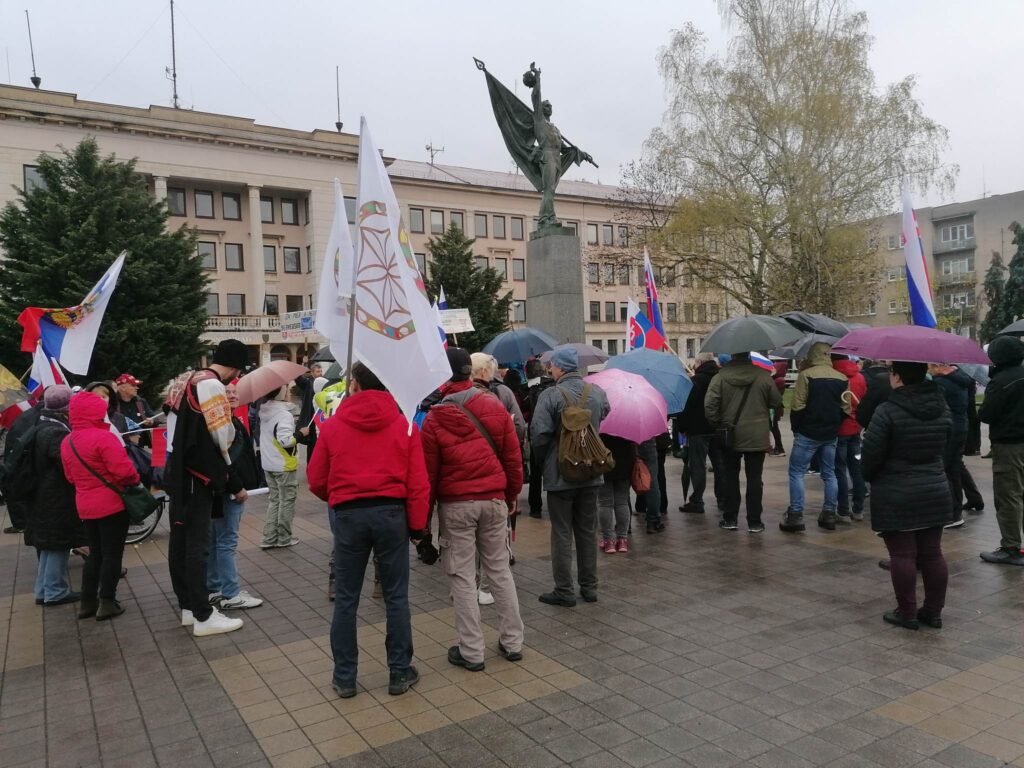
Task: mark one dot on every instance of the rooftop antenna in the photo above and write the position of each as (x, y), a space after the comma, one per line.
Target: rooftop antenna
(984, 186)
(337, 92)
(36, 79)
(173, 71)
(434, 151)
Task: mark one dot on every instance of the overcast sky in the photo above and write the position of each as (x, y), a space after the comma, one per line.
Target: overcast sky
(408, 67)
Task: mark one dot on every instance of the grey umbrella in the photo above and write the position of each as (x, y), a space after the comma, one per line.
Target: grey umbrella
(322, 355)
(1013, 329)
(746, 334)
(809, 322)
(802, 347)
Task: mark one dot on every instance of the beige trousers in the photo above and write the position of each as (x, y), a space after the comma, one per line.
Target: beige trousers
(468, 528)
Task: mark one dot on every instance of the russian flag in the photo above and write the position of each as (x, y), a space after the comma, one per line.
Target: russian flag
(653, 308)
(762, 362)
(919, 285)
(641, 331)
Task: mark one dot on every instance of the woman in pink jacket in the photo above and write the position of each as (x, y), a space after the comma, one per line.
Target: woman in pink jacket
(91, 455)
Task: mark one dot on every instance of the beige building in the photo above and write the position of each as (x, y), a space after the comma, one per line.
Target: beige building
(958, 241)
(260, 199)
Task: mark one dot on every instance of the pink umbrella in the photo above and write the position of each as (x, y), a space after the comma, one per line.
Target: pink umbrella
(638, 411)
(267, 378)
(910, 343)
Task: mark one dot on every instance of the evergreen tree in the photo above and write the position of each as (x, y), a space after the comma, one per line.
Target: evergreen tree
(994, 289)
(59, 237)
(468, 286)
(1013, 293)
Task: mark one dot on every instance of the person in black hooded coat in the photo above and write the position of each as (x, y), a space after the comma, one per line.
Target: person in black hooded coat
(903, 457)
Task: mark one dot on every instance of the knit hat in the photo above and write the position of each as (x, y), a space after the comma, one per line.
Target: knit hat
(56, 397)
(461, 363)
(231, 353)
(565, 358)
(1006, 350)
(724, 358)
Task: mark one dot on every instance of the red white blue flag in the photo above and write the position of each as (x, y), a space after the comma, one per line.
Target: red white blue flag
(762, 362)
(919, 286)
(640, 331)
(45, 373)
(653, 308)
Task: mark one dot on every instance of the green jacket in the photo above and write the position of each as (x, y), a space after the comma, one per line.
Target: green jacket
(722, 403)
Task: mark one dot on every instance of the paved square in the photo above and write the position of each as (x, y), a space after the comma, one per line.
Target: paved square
(707, 648)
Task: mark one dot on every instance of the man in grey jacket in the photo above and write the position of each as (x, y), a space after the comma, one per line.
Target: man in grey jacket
(572, 506)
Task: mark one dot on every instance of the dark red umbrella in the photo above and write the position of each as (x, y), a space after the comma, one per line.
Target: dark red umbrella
(912, 343)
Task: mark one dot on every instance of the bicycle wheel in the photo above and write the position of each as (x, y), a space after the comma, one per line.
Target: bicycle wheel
(142, 530)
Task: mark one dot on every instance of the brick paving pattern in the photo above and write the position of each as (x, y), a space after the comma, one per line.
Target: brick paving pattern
(708, 649)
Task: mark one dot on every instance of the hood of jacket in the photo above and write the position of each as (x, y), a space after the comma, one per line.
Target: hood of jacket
(959, 378)
(923, 401)
(848, 368)
(819, 354)
(272, 407)
(1006, 351)
(87, 411)
(708, 368)
(368, 411)
(741, 372)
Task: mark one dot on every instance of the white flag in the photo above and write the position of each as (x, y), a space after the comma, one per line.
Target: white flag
(332, 308)
(396, 328)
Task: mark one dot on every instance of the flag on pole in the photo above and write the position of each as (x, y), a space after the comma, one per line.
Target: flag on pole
(640, 332)
(69, 335)
(442, 302)
(45, 372)
(440, 326)
(332, 307)
(762, 362)
(394, 328)
(919, 284)
(653, 308)
(14, 398)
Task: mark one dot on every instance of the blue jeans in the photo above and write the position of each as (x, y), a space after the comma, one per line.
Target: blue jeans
(221, 573)
(805, 449)
(848, 474)
(384, 530)
(52, 575)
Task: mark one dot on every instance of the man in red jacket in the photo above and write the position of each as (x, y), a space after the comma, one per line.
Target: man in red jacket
(476, 473)
(369, 468)
(848, 473)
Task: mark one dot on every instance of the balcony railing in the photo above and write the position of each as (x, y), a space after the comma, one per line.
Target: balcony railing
(951, 246)
(959, 278)
(243, 323)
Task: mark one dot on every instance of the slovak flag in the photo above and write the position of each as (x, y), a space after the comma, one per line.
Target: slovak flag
(640, 332)
(919, 285)
(762, 362)
(653, 308)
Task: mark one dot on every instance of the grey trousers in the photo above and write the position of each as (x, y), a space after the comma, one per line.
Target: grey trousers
(573, 518)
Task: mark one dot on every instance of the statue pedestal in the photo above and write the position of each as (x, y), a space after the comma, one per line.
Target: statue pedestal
(554, 284)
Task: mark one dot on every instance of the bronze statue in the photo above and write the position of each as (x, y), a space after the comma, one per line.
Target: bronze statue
(536, 145)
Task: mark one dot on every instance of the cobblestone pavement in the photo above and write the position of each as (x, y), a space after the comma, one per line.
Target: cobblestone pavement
(707, 648)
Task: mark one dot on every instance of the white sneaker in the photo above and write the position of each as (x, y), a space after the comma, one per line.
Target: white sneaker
(217, 624)
(214, 597)
(485, 598)
(242, 600)
(187, 619)
(290, 543)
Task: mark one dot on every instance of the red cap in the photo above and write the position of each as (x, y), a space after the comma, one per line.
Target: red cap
(127, 378)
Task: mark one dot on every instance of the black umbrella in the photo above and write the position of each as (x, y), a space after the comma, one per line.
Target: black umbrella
(809, 322)
(322, 355)
(746, 334)
(1013, 329)
(801, 348)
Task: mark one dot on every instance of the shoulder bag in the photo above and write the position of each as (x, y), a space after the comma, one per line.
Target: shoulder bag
(138, 501)
(725, 436)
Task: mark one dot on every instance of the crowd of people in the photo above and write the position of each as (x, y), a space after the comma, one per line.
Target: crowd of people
(898, 428)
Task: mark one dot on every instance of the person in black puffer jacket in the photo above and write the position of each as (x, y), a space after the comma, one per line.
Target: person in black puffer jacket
(903, 459)
(694, 424)
(876, 374)
(955, 386)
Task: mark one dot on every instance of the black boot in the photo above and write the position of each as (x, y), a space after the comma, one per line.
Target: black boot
(87, 607)
(793, 522)
(827, 519)
(108, 609)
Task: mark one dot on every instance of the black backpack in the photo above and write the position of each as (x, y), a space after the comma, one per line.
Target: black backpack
(19, 470)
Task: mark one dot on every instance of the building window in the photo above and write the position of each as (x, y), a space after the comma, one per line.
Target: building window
(231, 206)
(519, 269)
(691, 348)
(609, 311)
(613, 347)
(293, 303)
(641, 277)
(415, 220)
(595, 311)
(458, 219)
(957, 300)
(687, 313)
(421, 263)
(598, 343)
(955, 232)
(573, 226)
(623, 312)
(292, 260)
(959, 266)
(33, 180)
(668, 277)
(674, 343)
(204, 205)
(212, 304)
(271, 306)
(176, 202)
(233, 260)
(519, 311)
(499, 227)
(267, 210)
(437, 222)
(623, 273)
(702, 313)
(671, 313)
(894, 241)
(480, 225)
(608, 274)
(270, 258)
(713, 313)
(893, 308)
(892, 274)
(517, 228)
(236, 303)
(207, 254)
(623, 236)
(350, 212)
(592, 234)
(289, 211)
(607, 234)
(872, 307)
(593, 273)
(481, 262)
(309, 259)
(305, 210)
(501, 267)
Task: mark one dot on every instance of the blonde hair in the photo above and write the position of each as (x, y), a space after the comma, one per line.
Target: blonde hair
(483, 363)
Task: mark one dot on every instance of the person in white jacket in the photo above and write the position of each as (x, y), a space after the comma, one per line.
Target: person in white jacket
(279, 457)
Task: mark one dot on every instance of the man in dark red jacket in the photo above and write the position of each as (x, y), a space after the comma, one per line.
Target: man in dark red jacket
(848, 473)
(369, 468)
(476, 473)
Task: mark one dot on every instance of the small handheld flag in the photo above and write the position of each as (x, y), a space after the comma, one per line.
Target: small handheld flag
(762, 362)
(918, 281)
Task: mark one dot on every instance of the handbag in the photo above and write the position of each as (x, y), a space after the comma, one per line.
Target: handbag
(641, 476)
(139, 503)
(725, 436)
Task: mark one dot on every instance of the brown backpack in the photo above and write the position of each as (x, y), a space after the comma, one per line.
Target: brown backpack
(582, 456)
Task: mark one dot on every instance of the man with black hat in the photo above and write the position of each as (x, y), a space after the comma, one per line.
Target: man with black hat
(199, 436)
(1003, 411)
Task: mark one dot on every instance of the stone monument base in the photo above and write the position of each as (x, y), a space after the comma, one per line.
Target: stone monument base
(554, 284)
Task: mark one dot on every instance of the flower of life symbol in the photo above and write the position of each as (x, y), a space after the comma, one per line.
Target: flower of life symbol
(381, 303)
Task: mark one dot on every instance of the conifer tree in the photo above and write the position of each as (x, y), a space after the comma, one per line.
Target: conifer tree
(1013, 293)
(994, 290)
